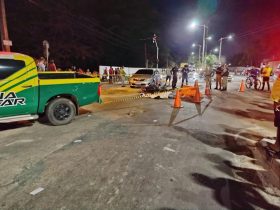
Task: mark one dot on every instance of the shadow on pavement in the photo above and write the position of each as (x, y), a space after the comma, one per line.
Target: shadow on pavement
(165, 208)
(234, 194)
(173, 116)
(15, 125)
(228, 141)
(268, 106)
(240, 191)
(249, 113)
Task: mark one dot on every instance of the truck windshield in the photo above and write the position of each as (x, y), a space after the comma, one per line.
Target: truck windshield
(9, 67)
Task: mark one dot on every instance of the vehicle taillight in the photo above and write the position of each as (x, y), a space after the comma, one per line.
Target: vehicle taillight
(99, 90)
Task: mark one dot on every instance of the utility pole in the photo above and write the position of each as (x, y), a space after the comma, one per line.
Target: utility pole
(146, 60)
(5, 41)
(145, 51)
(155, 42)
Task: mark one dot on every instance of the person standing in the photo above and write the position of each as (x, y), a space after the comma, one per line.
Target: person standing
(225, 75)
(105, 75)
(52, 66)
(41, 64)
(122, 75)
(168, 76)
(174, 73)
(111, 74)
(207, 76)
(219, 71)
(185, 72)
(88, 72)
(266, 73)
(157, 78)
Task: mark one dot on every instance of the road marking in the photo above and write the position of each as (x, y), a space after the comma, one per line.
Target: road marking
(169, 149)
(20, 141)
(38, 190)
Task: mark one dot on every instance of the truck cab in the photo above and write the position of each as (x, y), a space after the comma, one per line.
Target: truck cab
(25, 94)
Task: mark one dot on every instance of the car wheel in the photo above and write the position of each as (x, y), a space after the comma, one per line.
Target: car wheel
(60, 111)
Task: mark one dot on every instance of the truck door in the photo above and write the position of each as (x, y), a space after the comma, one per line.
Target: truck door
(16, 94)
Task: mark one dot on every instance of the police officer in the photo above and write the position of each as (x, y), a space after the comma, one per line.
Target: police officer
(174, 72)
(185, 72)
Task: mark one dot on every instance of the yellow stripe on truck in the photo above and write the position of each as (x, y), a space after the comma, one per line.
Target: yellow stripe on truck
(67, 81)
(13, 78)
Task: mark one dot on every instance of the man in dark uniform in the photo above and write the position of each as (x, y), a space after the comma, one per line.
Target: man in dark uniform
(185, 72)
(174, 72)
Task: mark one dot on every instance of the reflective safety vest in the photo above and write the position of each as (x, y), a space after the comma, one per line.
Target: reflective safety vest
(266, 71)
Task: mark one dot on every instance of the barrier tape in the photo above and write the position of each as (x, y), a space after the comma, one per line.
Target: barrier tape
(141, 96)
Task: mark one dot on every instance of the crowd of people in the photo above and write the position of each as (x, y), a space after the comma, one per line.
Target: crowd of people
(221, 76)
(43, 65)
(265, 72)
(114, 75)
(222, 73)
(117, 74)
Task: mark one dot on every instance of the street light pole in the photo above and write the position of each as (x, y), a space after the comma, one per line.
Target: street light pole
(199, 51)
(220, 51)
(221, 42)
(203, 44)
(5, 42)
(155, 41)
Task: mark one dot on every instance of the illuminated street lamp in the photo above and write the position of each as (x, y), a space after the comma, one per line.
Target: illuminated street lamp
(193, 25)
(221, 42)
(192, 53)
(199, 50)
(216, 50)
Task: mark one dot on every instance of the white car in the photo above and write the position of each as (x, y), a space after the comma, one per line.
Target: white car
(144, 78)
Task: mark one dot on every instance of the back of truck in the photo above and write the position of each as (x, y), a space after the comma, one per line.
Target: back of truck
(25, 93)
(62, 93)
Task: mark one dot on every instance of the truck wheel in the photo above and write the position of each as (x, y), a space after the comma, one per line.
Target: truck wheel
(60, 111)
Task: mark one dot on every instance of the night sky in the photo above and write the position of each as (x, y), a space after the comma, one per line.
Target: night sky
(111, 32)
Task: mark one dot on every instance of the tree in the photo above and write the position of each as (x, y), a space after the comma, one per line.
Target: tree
(211, 59)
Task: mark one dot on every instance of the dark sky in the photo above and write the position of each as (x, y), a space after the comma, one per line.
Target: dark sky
(109, 31)
(247, 19)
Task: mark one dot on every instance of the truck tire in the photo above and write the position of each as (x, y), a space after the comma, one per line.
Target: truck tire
(60, 111)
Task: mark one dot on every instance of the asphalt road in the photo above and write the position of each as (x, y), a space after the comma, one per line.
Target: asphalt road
(143, 154)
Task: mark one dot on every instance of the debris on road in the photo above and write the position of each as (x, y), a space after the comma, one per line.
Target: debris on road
(36, 191)
(78, 141)
(169, 149)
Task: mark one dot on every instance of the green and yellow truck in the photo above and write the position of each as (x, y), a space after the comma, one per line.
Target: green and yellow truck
(26, 94)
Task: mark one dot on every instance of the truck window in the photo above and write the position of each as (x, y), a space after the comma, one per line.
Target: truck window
(9, 66)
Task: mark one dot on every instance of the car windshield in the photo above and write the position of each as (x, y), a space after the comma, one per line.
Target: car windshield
(145, 71)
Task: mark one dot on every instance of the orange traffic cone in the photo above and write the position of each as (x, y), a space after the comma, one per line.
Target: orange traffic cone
(177, 101)
(242, 87)
(207, 91)
(196, 83)
(197, 98)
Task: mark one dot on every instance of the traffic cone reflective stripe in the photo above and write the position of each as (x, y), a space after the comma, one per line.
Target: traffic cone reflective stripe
(177, 101)
(197, 98)
(242, 86)
(207, 91)
(196, 83)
